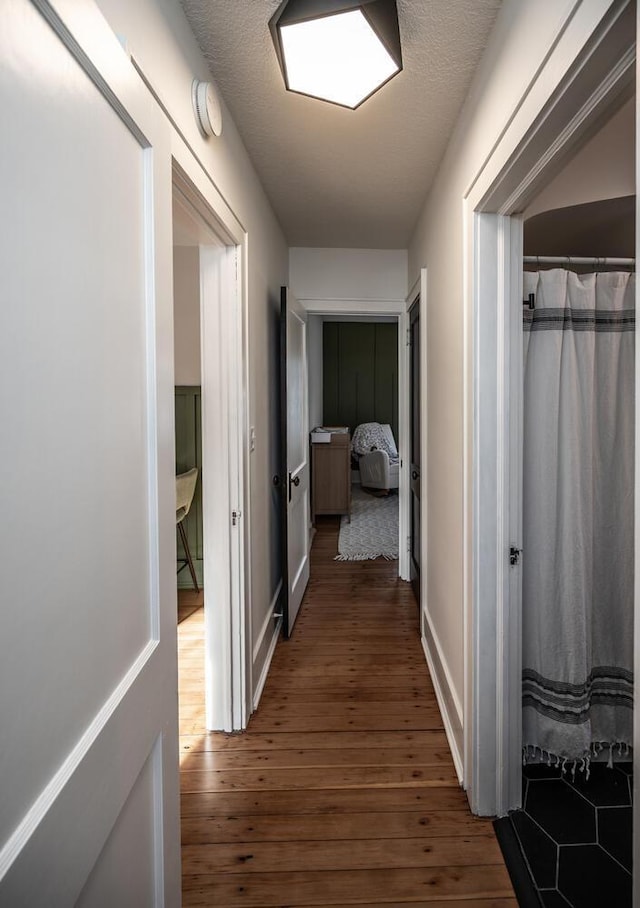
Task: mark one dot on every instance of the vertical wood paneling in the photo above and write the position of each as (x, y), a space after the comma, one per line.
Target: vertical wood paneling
(356, 370)
(385, 375)
(330, 374)
(360, 374)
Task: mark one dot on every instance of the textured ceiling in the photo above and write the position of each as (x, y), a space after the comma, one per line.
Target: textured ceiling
(338, 177)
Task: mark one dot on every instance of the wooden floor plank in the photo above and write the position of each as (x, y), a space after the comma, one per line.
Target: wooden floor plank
(365, 887)
(436, 753)
(337, 855)
(387, 721)
(329, 691)
(271, 741)
(331, 707)
(473, 903)
(330, 777)
(342, 791)
(265, 803)
(335, 826)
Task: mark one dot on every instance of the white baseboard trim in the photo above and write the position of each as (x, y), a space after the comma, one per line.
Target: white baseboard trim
(448, 702)
(272, 645)
(268, 618)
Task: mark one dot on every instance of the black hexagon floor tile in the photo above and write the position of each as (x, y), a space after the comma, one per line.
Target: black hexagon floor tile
(615, 833)
(563, 813)
(551, 898)
(590, 878)
(582, 871)
(604, 788)
(540, 851)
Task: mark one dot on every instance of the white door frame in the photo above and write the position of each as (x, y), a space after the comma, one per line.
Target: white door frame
(225, 433)
(588, 70)
(399, 311)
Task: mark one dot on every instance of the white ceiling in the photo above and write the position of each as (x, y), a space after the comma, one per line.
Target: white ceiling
(337, 177)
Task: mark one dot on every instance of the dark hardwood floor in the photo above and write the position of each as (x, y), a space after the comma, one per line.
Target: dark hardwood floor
(342, 791)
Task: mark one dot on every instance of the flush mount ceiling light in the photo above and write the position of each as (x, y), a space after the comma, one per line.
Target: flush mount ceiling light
(337, 50)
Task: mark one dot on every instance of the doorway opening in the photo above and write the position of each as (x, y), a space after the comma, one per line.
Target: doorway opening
(188, 236)
(601, 80)
(577, 568)
(360, 393)
(209, 361)
(357, 380)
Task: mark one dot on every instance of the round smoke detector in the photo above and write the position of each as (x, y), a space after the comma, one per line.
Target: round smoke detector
(206, 105)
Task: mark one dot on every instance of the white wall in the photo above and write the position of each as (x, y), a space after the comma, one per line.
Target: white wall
(604, 168)
(348, 274)
(343, 280)
(186, 314)
(157, 35)
(523, 35)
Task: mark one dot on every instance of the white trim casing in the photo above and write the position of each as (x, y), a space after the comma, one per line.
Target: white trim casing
(636, 627)
(244, 453)
(510, 620)
(225, 434)
(395, 309)
(353, 307)
(218, 494)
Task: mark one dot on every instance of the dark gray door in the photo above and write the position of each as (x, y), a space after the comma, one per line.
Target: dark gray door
(414, 385)
(294, 429)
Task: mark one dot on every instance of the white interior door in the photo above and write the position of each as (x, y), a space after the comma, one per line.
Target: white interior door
(88, 711)
(295, 441)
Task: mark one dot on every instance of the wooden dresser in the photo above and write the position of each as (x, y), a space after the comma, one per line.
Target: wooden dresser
(331, 471)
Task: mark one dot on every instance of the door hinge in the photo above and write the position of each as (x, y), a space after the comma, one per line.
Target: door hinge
(235, 517)
(514, 555)
(408, 337)
(408, 543)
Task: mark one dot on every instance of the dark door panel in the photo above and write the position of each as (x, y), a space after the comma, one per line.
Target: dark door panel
(414, 383)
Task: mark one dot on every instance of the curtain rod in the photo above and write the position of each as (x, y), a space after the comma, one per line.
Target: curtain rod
(575, 260)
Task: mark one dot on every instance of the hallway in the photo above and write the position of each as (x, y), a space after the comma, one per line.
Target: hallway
(342, 791)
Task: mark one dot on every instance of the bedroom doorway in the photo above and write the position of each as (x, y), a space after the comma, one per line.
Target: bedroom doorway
(357, 362)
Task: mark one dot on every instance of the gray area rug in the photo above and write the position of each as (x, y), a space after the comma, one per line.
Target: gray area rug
(373, 531)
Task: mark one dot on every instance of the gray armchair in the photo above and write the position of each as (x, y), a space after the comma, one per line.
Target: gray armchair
(378, 459)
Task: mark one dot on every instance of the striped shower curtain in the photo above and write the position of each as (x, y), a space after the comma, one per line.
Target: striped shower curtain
(578, 511)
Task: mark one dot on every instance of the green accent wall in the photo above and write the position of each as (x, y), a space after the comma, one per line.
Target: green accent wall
(360, 374)
(188, 455)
